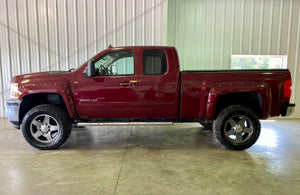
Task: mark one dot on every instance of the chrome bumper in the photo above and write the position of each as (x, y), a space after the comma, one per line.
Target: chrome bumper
(12, 108)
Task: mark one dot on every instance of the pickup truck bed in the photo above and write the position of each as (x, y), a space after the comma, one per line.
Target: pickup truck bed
(200, 89)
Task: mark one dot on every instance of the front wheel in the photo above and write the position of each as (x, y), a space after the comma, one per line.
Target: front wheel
(237, 127)
(46, 127)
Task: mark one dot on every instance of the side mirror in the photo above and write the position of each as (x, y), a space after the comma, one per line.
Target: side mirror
(89, 70)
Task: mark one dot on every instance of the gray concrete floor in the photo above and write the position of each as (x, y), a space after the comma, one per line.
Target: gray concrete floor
(179, 159)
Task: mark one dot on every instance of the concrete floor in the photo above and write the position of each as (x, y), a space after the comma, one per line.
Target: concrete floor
(179, 159)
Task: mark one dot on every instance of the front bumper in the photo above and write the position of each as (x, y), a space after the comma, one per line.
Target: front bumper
(287, 109)
(12, 108)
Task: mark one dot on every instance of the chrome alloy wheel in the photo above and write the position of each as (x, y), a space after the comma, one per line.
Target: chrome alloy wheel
(238, 129)
(45, 128)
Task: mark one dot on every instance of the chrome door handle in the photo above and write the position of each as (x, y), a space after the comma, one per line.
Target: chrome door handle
(125, 84)
(133, 82)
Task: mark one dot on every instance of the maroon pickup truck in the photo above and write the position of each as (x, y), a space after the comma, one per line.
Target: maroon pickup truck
(144, 84)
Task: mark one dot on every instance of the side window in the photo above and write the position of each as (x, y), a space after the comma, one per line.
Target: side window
(155, 62)
(115, 63)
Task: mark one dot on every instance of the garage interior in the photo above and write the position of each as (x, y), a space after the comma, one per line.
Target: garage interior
(179, 159)
(185, 158)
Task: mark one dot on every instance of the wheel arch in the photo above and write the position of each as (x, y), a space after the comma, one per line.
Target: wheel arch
(252, 100)
(32, 100)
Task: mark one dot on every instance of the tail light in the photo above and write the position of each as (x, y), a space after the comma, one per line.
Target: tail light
(287, 88)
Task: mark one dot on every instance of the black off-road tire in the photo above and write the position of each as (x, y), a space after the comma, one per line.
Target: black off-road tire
(223, 122)
(55, 115)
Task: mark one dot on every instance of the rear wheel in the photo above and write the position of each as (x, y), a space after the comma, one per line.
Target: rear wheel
(237, 127)
(46, 127)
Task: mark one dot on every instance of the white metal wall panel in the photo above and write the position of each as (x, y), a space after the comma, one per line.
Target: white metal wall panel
(62, 35)
(43, 35)
(207, 32)
(23, 36)
(32, 38)
(5, 46)
(91, 28)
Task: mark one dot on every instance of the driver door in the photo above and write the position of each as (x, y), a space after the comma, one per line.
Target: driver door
(112, 91)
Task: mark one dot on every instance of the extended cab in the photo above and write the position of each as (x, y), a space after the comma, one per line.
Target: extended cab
(144, 84)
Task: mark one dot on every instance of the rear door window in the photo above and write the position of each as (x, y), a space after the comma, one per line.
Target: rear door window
(155, 62)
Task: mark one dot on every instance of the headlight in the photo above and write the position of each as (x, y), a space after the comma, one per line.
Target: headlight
(14, 92)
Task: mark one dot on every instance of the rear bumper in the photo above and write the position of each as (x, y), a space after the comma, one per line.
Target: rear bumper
(12, 108)
(287, 109)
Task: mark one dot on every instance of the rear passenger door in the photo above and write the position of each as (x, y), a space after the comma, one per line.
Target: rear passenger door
(158, 86)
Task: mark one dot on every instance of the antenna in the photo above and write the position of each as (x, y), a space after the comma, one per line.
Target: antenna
(110, 46)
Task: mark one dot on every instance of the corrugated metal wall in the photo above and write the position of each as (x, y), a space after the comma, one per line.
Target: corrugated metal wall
(41, 35)
(207, 32)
